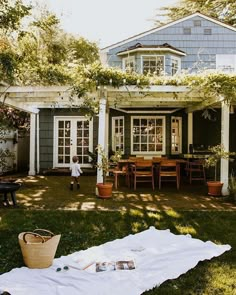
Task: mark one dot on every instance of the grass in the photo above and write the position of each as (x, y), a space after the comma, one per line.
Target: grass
(47, 203)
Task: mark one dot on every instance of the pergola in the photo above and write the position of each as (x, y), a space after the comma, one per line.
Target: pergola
(33, 98)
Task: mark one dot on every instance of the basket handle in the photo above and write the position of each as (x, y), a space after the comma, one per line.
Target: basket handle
(34, 234)
(44, 231)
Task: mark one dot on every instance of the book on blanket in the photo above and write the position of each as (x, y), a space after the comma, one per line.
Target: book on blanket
(115, 265)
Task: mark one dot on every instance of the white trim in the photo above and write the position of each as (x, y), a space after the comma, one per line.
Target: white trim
(224, 163)
(32, 145)
(151, 49)
(178, 59)
(131, 59)
(190, 130)
(163, 134)
(153, 55)
(101, 134)
(146, 111)
(106, 49)
(73, 120)
(113, 131)
(180, 134)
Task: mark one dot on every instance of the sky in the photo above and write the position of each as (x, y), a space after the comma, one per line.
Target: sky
(106, 21)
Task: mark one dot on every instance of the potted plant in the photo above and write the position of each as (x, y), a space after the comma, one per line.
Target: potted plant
(105, 188)
(232, 186)
(217, 152)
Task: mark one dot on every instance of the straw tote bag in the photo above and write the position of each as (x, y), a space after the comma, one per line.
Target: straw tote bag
(38, 247)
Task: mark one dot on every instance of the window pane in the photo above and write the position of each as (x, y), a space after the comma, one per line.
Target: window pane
(151, 134)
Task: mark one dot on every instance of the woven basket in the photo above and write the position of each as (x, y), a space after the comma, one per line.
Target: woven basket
(38, 250)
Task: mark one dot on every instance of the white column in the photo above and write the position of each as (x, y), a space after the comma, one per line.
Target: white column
(190, 130)
(32, 144)
(224, 163)
(37, 143)
(101, 133)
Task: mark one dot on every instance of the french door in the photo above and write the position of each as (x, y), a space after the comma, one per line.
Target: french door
(72, 136)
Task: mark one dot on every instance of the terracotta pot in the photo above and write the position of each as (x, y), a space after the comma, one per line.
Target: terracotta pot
(214, 188)
(105, 190)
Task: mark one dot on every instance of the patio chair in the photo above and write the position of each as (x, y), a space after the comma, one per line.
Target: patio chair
(169, 171)
(196, 171)
(143, 172)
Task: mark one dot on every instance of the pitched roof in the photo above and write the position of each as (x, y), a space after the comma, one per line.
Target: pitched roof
(141, 47)
(105, 49)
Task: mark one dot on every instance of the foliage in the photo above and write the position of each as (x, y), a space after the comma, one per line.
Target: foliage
(104, 161)
(224, 10)
(5, 156)
(232, 185)
(217, 152)
(13, 119)
(11, 14)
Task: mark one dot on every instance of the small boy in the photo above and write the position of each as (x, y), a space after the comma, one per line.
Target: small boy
(75, 172)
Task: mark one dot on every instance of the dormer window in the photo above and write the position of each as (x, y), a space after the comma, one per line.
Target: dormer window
(153, 64)
(129, 64)
(175, 65)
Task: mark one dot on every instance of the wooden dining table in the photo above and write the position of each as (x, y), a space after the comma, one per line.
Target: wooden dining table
(127, 163)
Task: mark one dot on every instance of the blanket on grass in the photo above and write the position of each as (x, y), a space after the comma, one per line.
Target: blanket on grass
(159, 255)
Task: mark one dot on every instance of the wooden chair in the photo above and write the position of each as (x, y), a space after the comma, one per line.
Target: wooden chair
(143, 172)
(196, 170)
(133, 160)
(169, 171)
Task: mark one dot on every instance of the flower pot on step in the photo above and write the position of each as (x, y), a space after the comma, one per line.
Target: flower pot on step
(214, 188)
(105, 190)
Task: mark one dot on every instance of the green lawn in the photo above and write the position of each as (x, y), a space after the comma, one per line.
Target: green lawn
(83, 229)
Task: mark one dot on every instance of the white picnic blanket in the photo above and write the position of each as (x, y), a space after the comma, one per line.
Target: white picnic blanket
(159, 255)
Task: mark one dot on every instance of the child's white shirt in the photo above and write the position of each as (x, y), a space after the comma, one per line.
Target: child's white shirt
(75, 170)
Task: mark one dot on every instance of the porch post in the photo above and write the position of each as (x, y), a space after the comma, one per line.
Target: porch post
(32, 144)
(101, 129)
(190, 130)
(37, 143)
(224, 163)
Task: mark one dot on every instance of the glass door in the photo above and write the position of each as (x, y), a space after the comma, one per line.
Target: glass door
(72, 136)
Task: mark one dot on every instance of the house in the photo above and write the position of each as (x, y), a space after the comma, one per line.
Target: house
(148, 121)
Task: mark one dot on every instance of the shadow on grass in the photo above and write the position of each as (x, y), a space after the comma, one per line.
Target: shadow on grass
(52, 192)
(81, 230)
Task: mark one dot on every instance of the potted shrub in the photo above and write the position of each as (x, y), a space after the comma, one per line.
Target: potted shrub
(217, 152)
(105, 188)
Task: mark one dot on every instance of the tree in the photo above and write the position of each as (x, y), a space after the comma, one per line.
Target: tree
(11, 14)
(224, 10)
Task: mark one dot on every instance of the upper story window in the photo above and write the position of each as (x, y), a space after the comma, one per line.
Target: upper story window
(148, 135)
(118, 134)
(153, 64)
(187, 31)
(197, 23)
(226, 62)
(175, 65)
(129, 64)
(207, 32)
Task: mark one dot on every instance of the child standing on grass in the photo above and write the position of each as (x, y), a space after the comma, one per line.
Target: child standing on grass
(75, 173)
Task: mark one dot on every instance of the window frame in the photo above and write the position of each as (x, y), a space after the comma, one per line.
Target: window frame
(130, 59)
(114, 119)
(163, 151)
(178, 59)
(180, 135)
(153, 55)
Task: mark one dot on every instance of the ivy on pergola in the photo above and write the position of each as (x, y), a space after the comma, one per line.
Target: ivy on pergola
(211, 86)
